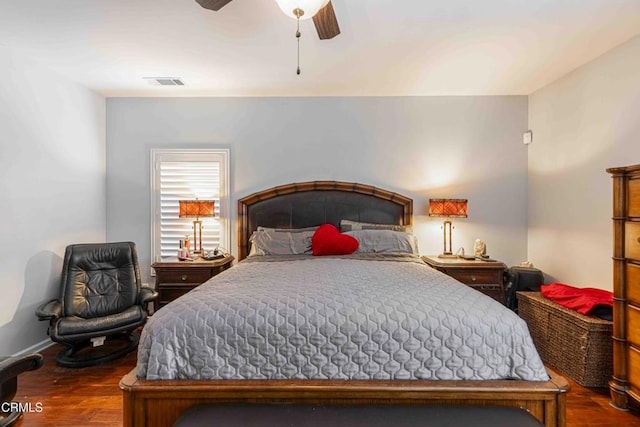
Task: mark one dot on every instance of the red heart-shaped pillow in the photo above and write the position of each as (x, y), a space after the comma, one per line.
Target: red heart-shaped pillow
(327, 240)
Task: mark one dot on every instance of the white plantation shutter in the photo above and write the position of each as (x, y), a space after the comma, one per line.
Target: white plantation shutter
(188, 175)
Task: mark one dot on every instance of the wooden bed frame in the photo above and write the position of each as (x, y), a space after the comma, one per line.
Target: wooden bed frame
(161, 402)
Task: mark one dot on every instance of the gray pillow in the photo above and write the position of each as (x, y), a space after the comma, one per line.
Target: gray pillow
(385, 241)
(287, 230)
(273, 241)
(347, 225)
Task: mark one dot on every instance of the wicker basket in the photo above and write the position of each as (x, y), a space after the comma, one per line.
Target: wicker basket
(576, 345)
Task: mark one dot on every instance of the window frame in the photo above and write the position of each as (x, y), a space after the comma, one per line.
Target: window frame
(158, 155)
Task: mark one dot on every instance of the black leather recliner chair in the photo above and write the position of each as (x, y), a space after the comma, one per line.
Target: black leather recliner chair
(10, 368)
(102, 298)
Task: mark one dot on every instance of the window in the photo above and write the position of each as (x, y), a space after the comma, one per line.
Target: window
(188, 175)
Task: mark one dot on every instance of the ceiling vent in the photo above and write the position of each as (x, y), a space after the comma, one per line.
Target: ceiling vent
(164, 81)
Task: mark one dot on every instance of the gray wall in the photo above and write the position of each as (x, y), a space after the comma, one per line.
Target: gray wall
(466, 147)
(582, 124)
(52, 189)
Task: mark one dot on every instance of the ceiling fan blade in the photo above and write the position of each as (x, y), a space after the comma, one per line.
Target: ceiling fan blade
(213, 4)
(326, 22)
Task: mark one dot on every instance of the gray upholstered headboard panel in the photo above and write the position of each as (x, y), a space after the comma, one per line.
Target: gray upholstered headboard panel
(318, 202)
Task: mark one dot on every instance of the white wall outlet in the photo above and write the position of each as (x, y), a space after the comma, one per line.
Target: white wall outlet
(527, 137)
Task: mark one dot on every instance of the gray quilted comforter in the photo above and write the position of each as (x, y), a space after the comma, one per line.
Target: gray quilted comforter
(336, 318)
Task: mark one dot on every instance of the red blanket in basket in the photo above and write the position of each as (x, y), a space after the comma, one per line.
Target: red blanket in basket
(582, 300)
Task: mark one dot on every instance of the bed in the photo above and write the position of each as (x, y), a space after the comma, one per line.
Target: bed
(306, 367)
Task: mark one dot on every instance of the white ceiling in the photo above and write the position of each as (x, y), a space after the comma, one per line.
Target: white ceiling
(387, 47)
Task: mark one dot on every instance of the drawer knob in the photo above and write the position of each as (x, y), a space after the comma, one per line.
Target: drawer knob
(639, 239)
(184, 277)
(473, 278)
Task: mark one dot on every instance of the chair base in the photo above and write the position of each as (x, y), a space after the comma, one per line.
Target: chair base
(84, 354)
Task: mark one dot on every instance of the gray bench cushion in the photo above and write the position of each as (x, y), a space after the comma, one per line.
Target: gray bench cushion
(240, 415)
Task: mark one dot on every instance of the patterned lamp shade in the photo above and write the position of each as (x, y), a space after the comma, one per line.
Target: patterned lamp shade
(196, 208)
(448, 207)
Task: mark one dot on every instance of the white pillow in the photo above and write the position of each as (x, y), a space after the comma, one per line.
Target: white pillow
(385, 241)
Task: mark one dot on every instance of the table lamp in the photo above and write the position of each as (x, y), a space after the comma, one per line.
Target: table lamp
(195, 209)
(448, 208)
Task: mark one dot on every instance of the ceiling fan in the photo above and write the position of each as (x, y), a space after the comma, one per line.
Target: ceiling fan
(324, 17)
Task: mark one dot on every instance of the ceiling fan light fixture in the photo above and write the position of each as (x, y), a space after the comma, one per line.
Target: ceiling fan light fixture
(308, 7)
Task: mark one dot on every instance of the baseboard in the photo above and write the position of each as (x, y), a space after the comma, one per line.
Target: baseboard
(36, 348)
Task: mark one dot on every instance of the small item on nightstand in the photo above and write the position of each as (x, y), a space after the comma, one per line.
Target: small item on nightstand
(463, 256)
(479, 248)
(183, 251)
(213, 254)
(480, 251)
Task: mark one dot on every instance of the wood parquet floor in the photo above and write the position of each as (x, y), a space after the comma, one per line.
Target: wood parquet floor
(90, 397)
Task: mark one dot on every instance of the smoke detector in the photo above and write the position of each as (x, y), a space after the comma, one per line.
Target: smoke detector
(164, 81)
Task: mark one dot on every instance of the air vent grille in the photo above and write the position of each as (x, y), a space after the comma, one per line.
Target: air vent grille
(164, 81)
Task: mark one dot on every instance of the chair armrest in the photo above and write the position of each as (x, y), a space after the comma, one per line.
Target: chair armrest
(147, 295)
(11, 367)
(49, 311)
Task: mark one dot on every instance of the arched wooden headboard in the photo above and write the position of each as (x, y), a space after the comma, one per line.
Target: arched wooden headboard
(313, 203)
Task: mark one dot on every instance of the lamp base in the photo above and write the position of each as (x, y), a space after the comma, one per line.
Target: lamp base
(197, 236)
(447, 255)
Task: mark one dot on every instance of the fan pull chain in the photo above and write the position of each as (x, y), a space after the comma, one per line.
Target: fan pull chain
(298, 13)
(298, 37)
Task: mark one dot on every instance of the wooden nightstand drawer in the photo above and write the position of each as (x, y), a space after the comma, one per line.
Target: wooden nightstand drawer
(472, 277)
(173, 291)
(184, 275)
(483, 276)
(494, 291)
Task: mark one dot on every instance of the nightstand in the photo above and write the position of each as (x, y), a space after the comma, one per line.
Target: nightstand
(484, 276)
(175, 278)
